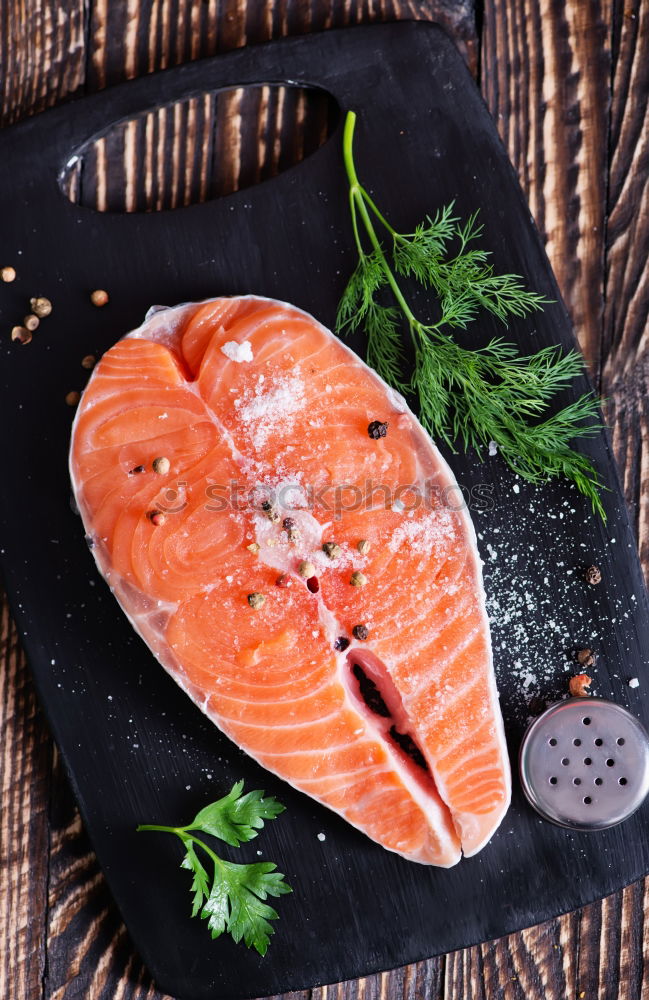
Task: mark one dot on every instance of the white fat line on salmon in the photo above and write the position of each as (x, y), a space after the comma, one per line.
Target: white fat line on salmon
(426, 637)
(424, 683)
(356, 777)
(169, 339)
(474, 783)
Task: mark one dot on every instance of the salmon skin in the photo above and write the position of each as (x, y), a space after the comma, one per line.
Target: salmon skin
(374, 694)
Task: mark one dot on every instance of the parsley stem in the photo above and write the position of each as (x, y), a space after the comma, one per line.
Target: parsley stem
(162, 829)
(184, 834)
(208, 850)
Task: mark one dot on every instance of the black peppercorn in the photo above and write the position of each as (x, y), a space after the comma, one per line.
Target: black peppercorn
(377, 430)
(593, 575)
(360, 632)
(341, 643)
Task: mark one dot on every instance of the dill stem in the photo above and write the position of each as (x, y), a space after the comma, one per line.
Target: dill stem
(357, 198)
(382, 219)
(357, 238)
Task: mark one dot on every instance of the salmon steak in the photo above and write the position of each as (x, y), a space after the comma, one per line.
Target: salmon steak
(294, 550)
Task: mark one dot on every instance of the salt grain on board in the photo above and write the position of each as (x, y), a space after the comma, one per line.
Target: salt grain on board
(536, 607)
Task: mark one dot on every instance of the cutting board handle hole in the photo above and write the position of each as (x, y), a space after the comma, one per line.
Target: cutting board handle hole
(200, 148)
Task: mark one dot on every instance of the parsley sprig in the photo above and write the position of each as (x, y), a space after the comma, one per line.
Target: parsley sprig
(233, 900)
(468, 396)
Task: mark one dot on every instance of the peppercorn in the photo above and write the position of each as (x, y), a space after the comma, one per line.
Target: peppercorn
(161, 465)
(537, 705)
(40, 306)
(256, 600)
(8, 274)
(332, 550)
(288, 523)
(99, 297)
(157, 517)
(306, 569)
(593, 575)
(22, 335)
(313, 584)
(136, 470)
(88, 362)
(283, 580)
(586, 657)
(363, 546)
(270, 512)
(341, 643)
(358, 579)
(72, 398)
(253, 547)
(579, 685)
(360, 632)
(31, 322)
(377, 430)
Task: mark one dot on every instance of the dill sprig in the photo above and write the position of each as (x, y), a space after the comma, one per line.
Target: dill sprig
(472, 397)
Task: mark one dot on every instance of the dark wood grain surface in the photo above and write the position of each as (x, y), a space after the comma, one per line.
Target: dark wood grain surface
(567, 81)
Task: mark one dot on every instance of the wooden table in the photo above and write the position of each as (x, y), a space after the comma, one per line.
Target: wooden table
(567, 82)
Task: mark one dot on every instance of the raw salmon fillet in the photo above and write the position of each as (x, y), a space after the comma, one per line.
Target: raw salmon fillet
(263, 415)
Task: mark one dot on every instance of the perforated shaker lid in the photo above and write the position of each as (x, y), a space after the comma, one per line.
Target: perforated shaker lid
(584, 764)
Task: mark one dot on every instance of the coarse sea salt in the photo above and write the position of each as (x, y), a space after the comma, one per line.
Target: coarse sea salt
(634, 682)
(539, 612)
(266, 412)
(426, 534)
(237, 352)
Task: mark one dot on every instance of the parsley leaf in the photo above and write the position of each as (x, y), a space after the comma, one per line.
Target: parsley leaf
(200, 882)
(236, 818)
(233, 900)
(236, 902)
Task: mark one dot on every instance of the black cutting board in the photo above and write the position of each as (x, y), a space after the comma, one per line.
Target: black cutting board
(135, 748)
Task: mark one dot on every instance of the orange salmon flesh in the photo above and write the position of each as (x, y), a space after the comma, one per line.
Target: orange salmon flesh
(263, 416)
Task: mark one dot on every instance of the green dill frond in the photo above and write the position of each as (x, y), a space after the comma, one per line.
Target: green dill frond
(358, 298)
(467, 397)
(384, 344)
(417, 254)
(490, 394)
(465, 282)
